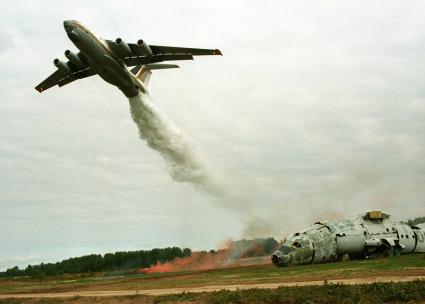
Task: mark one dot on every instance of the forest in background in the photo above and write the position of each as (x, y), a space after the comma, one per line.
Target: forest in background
(129, 260)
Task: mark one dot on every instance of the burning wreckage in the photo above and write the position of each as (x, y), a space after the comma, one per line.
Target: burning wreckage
(366, 236)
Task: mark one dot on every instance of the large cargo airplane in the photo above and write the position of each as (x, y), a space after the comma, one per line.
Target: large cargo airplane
(111, 59)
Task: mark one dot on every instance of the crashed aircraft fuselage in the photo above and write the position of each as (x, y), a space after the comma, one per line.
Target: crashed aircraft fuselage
(370, 235)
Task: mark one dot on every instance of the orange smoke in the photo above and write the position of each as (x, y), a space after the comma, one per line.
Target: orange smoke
(232, 254)
(197, 261)
(334, 215)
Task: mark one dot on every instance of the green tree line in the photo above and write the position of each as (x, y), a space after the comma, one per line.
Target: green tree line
(415, 221)
(127, 260)
(122, 260)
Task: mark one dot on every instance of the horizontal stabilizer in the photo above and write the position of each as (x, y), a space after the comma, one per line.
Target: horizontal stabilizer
(153, 66)
(160, 66)
(143, 72)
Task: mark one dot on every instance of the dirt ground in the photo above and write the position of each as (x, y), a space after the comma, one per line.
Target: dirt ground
(401, 269)
(167, 291)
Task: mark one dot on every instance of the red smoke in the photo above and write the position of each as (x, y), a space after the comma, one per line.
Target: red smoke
(233, 254)
(197, 261)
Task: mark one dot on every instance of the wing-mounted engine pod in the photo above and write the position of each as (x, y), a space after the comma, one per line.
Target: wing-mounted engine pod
(122, 48)
(74, 58)
(145, 48)
(63, 66)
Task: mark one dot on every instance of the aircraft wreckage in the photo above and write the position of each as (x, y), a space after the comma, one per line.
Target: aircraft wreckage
(369, 235)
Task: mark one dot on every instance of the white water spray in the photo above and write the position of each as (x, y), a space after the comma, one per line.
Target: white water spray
(185, 163)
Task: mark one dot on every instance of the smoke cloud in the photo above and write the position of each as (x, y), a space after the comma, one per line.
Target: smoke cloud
(185, 163)
(232, 254)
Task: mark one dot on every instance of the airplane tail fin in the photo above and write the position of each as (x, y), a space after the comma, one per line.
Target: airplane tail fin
(143, 72)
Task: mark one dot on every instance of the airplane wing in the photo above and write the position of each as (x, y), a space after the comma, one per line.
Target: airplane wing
(142, 60)
(61, 77)
(138, 55)
(170, 50)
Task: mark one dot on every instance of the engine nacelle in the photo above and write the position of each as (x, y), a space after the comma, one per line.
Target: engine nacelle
(145, 48)
(122, 48)
(62, 66)
(74, 58)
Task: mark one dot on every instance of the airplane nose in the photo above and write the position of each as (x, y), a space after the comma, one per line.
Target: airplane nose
(278, 258)
(67, 24)
(70, 30)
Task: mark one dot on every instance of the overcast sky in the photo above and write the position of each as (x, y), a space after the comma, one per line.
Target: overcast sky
(315, 111)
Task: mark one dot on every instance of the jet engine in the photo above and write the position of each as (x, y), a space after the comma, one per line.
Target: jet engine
(62, 66)
(122, 48)
(74, 58)
(145, 48)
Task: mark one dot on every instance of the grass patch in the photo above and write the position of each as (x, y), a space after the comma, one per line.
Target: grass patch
(327, 293)
(323, 294)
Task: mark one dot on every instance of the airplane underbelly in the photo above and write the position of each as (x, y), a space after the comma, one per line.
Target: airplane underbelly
(112, 72)
(109, 68)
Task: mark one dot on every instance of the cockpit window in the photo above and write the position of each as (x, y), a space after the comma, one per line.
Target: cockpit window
(69, 29)
(285, 249)
(296, 244)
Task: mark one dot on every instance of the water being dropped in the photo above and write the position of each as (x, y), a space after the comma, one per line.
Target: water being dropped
(185, 163)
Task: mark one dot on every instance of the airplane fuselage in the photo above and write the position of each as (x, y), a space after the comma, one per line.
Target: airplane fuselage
(110, 67)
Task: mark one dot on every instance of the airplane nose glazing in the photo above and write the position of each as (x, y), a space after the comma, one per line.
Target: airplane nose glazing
(67, 25)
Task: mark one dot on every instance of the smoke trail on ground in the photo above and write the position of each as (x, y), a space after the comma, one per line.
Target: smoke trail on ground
(185, 163)
(196, 261)
(233, 254)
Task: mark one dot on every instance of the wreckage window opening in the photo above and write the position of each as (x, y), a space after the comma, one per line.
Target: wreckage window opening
(388, 230)
(285, 249)
(324, 227)
(296, 245)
